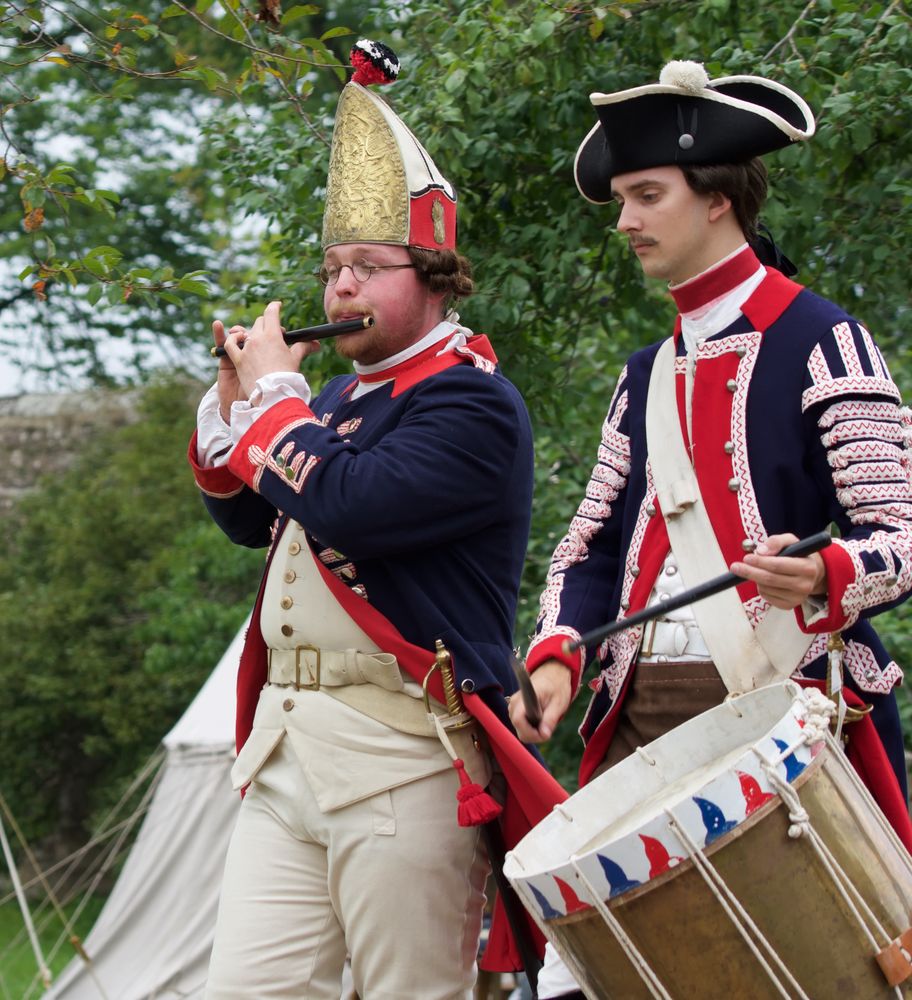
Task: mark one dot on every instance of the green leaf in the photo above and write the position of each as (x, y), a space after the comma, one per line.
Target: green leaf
(60, 174)
(194, 287)
(541, 30)
(335, 33)
(298, 11)
(210, 75)
(455, 80)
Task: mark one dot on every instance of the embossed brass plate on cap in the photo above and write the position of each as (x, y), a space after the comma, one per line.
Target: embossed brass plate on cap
(367, 199)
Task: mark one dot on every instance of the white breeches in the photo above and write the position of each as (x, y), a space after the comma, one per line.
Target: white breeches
(392, 881)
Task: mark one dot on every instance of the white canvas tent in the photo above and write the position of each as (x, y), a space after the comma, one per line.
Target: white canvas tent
(154, 935)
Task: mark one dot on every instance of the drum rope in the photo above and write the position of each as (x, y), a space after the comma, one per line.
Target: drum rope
(801, 826)
(741, 919)
(646, 973)
(820, 708)
(874, 811)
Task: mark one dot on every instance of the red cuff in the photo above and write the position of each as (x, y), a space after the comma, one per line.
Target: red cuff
(552, 648)
(253, 450)
(840, 572)
(218, 482)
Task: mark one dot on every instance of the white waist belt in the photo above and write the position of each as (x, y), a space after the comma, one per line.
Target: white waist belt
(308, 667)
(665, 638)
(372, 684)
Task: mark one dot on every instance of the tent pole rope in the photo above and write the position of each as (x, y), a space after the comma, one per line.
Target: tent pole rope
(23, 906)
(101, 834)
(49, 892)
(109, 860)
(152, 765)
(114, 850)
(137, 814)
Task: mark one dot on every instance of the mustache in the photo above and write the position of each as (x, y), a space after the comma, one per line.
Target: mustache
(643, 241)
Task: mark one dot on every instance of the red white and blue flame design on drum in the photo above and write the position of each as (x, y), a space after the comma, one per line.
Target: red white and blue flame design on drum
(634, 851)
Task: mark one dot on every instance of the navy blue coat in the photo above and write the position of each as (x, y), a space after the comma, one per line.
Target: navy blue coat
(796, 424)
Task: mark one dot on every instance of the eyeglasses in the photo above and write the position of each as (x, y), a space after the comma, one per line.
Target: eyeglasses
(329, 273)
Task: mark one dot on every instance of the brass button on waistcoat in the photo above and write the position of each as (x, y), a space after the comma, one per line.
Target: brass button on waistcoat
(288, 704)
(294, 548)
(290, 576)
(287, 630)
(286, 603)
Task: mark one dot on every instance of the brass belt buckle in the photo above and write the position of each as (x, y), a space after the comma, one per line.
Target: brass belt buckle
(315, 686)
(648, 637)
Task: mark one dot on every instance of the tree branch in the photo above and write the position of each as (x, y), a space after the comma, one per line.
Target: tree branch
(789, 37)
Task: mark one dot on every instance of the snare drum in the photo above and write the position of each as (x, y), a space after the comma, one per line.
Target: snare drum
(736, 856)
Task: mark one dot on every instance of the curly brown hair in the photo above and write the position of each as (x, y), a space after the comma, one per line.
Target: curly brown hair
(745, 184)
(444, 271)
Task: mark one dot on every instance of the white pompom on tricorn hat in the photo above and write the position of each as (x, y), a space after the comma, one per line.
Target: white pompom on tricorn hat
(687, 119)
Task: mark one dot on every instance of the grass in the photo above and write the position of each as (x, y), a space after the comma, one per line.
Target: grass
(18, 967)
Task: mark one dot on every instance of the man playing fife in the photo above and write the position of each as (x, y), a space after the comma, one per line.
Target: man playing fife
(396, 507)
(790, 421)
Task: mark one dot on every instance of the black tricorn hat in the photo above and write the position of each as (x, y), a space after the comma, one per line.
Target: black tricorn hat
(687, 119)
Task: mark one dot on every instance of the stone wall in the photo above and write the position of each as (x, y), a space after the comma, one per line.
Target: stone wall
(40, 433)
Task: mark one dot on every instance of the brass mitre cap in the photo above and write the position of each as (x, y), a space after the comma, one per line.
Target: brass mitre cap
(382, 185)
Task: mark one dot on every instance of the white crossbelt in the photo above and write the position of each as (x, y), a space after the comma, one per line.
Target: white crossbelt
(745, 658)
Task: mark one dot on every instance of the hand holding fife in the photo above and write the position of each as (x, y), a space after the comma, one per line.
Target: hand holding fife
(552, 683)
(786, 582)
(229, 385)
(264, 352)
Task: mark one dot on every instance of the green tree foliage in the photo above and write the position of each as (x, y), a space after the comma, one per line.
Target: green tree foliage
(117, 597)
(116, 226)
(223, 114)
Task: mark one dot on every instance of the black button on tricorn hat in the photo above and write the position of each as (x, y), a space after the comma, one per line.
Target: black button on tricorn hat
(686, 118)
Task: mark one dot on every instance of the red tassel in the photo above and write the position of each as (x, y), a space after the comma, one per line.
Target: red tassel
(475, 805)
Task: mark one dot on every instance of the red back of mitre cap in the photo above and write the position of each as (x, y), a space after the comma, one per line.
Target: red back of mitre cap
(432, 220)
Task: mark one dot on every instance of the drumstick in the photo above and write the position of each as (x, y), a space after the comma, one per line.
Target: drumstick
(529, 695)
(314, 332)
(804, 547)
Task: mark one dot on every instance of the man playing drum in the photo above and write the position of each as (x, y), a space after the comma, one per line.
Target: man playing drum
(789, 422)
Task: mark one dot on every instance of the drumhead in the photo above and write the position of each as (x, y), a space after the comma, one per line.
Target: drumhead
(707, 775)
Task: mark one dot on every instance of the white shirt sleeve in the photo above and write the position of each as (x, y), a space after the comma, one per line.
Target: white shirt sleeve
(213, 435)
(216, 440)
(269, 390)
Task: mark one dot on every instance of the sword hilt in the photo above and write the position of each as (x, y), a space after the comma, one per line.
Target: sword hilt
(444, 663)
